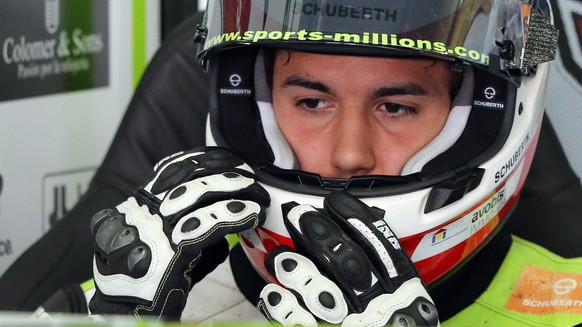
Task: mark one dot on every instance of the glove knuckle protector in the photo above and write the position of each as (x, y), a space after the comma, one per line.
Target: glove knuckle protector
(118, 248)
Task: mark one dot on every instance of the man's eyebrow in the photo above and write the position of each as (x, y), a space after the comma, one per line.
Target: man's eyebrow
(305, 83)
(403, 89)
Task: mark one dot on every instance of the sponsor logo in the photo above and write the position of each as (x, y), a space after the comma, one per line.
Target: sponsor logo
(540, 291)
(490, 93)
(383, 228)
(564, 286)
(52, 51)
(61, 191)
(343, 11)
(507, 168)
(473, 225)
(485, 213)
(439, 236)
(235, 80)
(489, 104)
(358, 38)
(236, 91)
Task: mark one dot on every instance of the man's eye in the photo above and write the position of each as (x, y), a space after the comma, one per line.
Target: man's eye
(312, 103)
(397, 110)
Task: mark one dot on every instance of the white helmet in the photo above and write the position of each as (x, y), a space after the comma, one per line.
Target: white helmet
(455, 193)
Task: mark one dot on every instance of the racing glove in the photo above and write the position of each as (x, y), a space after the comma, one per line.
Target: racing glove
(151, 249)
(348, 268)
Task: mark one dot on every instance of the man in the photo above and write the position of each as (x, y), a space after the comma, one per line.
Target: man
(438, 166)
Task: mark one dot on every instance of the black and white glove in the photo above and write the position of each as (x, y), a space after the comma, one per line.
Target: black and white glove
(151, 249)
(353, 271)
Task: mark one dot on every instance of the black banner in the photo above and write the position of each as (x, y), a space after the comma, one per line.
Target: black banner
(52, 46)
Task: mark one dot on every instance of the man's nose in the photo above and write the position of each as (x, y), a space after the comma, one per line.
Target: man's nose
(353, 149)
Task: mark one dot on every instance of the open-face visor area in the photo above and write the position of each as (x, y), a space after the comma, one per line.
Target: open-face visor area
(469, 30)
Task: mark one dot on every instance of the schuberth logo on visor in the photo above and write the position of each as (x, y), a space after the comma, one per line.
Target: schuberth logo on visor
(342, 11)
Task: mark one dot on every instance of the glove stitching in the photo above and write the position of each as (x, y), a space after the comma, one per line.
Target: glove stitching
(410, 297)
(167, 273)
(152, 243)
(192, 186)
(393, 310)
(179, 252)
(262, 307)
(286, 296)
(169, 269)
(221, 225)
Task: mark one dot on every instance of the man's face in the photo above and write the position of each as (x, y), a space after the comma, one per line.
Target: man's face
(346, 115)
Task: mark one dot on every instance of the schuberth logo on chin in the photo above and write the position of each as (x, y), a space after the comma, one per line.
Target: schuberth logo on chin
(568, 20)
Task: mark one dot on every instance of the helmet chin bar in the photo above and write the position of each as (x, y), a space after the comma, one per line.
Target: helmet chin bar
(446, 189)
(438, 241)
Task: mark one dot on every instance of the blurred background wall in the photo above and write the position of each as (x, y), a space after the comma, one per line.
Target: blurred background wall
(67, 71)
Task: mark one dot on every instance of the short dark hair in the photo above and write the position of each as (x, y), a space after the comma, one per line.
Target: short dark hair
(456, 76)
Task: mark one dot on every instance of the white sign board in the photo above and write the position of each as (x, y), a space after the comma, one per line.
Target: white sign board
(66, 77)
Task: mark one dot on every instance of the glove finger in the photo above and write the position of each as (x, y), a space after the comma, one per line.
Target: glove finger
(334, 252)
(210, 224)
(212, 256)
(210, 189)
(280, 305)
(407, 306)
(184, 166)
(373, 234)
(321, 296)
